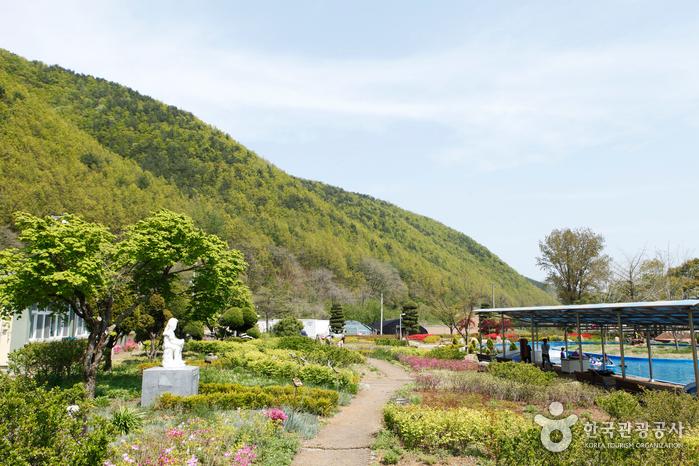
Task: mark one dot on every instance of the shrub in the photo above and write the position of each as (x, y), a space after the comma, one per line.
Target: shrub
(669, 407)
(194, 330)
(305, 424)
(432, 339)
(314, 351)
(253, 332)
(420, 363)
(48, 361)
(447, 352)
(390, 342)
(287, 327)
(619, 404)
(126, 419)
(522, 373)
(38, 428)
(503, 389)
(232, 396)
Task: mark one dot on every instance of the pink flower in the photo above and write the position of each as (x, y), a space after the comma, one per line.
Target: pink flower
(175, 433)
(245, 456)
(116, 349)
(127, 458)
(276, 414)
(193, 461)
(420, 363)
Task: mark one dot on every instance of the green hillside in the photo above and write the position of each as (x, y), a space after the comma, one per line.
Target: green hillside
(71, 142)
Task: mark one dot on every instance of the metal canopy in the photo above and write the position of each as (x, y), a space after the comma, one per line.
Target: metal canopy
(642, 313)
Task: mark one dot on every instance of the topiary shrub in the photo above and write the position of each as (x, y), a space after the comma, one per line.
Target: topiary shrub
(432, 339)
(410, 318)
(253, 332)
(288, 327)
(337, 319)
(48, 361)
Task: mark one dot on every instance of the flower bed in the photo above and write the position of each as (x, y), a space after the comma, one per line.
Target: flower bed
(237, 439)
(421, 363)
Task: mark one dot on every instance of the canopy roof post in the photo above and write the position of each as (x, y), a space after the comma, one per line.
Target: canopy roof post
(621, 344)
(502, 328)
(650, 355)
(565, 338)
(693, 343)
(580, 352)
(532, 358)
(604, 354)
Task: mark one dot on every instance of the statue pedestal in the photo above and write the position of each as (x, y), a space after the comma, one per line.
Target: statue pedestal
(178, 381)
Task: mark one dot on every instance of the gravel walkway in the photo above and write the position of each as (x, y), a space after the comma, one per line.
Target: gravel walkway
(347, 437)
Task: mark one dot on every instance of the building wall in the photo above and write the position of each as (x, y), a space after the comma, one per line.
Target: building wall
(37, 325)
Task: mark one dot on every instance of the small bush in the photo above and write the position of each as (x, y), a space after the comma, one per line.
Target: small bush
(288, 327)
(619, 404)
(253, 332)
(126, 419)
(432, 339)
(522, 373)
(38, 428)
(48, 361)
(669, 407)
(446, 352)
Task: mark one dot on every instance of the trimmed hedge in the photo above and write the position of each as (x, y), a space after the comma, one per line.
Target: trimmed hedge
(48, 361)
(232, 396)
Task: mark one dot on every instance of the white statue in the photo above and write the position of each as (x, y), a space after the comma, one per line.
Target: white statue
(172, 346)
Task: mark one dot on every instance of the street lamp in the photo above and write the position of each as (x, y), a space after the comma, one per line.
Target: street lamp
(400, 326)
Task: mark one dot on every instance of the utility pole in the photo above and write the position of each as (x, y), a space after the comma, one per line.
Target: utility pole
(400, 325)
(381, 331)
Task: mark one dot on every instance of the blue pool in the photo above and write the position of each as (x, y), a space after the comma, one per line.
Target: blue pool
(680, 371)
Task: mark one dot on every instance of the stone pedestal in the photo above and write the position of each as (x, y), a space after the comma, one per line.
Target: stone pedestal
(178, 381)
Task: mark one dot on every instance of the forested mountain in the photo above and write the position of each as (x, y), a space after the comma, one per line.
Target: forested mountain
(75, 143)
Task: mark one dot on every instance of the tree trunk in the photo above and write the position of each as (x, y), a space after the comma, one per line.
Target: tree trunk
(93, 356)
(109, 346)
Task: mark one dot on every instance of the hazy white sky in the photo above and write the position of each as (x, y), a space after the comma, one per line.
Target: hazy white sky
(502, 119)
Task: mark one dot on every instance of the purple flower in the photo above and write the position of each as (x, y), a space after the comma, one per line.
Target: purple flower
(193, 461)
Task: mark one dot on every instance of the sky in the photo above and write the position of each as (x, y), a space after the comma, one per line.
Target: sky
(503, 120)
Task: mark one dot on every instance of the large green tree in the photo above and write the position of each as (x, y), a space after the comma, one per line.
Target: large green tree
(574, 262)
(68, 263)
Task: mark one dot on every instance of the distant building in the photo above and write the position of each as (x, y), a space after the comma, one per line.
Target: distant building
(390, 327)
(37, 325)
(354, 327)
(321, 327)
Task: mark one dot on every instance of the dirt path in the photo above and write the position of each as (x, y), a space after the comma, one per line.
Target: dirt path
(346, 439)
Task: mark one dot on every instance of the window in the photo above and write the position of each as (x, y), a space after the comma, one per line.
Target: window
(45, 326)
(80, 327)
